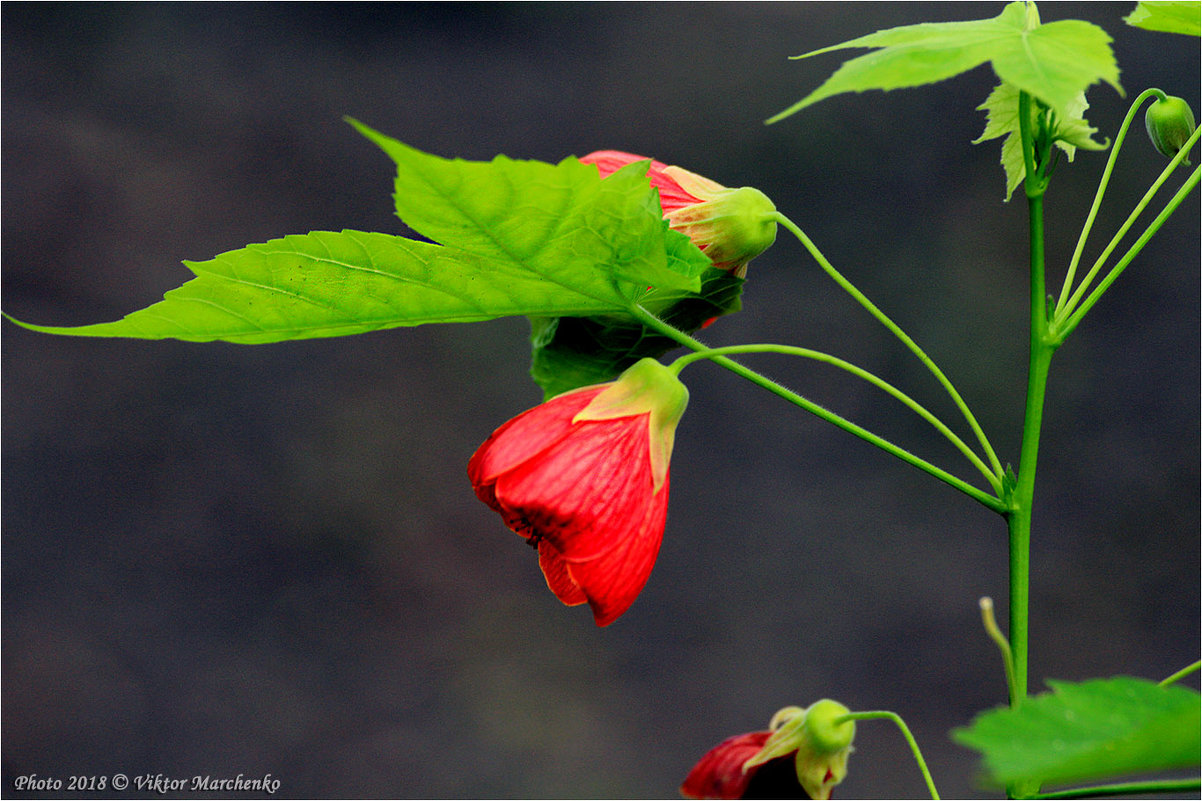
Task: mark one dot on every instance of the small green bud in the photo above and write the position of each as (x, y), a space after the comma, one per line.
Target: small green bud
(825, 733)
(818, 740)
(1170, 123)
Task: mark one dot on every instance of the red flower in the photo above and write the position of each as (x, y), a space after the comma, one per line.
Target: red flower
(732, 226)
(584, 478)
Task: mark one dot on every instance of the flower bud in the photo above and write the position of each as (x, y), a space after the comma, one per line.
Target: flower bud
(820, 741)
(1170, 123)
(732, 226)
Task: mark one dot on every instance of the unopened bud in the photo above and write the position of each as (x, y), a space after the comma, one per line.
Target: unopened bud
(1170, 123)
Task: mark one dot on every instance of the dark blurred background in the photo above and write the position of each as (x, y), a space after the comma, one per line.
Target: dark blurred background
(224, 559)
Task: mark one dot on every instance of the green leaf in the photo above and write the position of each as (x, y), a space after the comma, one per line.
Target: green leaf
(1100, 728)
(1053, 62)
(514, 209)
(1169, 17)
(571, 352)
(1002, 108)
(328, 283)
(519, 238)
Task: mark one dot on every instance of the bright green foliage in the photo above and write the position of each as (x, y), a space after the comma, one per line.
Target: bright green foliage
(1053, 62)
(518, 238)
(558, 221)
(1169, 17)
(1068, 134)
(1097, 729)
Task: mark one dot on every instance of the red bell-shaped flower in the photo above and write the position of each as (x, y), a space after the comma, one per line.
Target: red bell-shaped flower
(732, 226)
(584, 478)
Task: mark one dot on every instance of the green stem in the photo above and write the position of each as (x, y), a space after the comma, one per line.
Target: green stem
(1063, 329)
(896, 330)
(1066, 310)
(905, 730)
(1181, 674)
(1102, 185)
(1127, 788)
(1019, 517)
(995, 634)
(859, 372)
(651, 321)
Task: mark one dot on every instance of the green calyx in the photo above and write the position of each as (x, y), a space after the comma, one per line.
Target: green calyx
(646, 387)
(732, 226)
(1170, 123)
(827, 732)
(820, 740)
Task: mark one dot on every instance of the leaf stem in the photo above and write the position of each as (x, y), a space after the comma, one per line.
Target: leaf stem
(651, 321)
(896, 330)
(859, 372)
(1127, 788)
(1102, 186)
(905, 730)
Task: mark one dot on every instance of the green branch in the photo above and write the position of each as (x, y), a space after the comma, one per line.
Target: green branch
(896, 330)
(905, 730)
(995, 634)
(1127, 788)
(1102, 186)
(1181, 674)
(859, 372)
(1061, 330)
(651, 321)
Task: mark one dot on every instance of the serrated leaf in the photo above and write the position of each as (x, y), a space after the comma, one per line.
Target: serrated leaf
(1052, 62)
(327, 283)
(519, 238)
(1168, 17)
(516, 208)
(1002, 121)
(1097, 729)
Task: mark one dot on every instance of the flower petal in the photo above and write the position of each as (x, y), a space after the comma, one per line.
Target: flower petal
(586, 491)
(671, 195)
(719, 774)
(555, 570)
(527, 435)
(614, 579)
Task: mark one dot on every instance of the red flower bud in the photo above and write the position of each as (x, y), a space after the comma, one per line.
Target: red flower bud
(732, 226)
(584, 478)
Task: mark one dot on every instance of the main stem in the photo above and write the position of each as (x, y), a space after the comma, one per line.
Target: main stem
(1021, 500)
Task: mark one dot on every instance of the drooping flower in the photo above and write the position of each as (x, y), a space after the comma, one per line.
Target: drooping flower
(803, 750)
(731, 226)
(584, 478)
